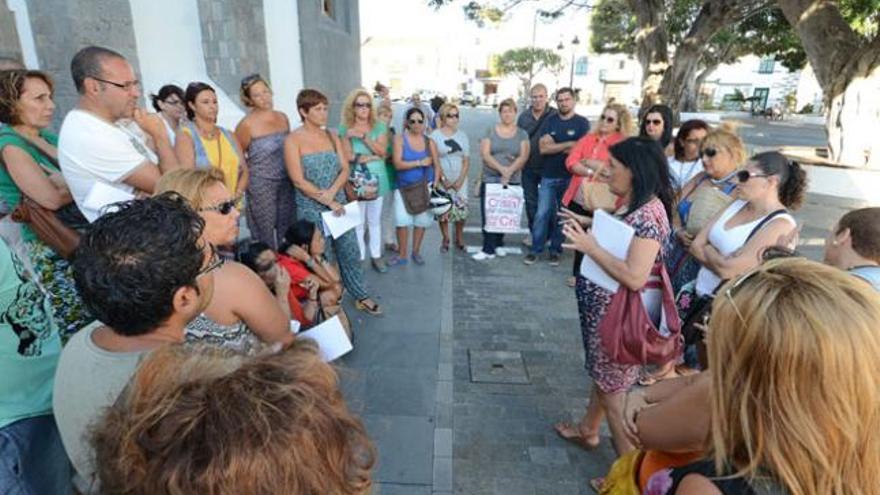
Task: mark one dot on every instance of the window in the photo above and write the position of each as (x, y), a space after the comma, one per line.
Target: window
(327, 7)
(621, 64)
(767, 65)
(580, 67)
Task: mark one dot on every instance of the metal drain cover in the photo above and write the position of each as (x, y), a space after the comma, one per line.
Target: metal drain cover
(497, 367)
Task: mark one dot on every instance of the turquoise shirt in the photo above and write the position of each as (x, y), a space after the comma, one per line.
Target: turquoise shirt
(376, 167)
(29, 344)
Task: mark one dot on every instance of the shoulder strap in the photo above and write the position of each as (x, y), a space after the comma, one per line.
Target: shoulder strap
(764, 222)
(539, 123)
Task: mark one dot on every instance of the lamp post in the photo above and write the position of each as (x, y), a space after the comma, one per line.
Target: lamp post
(574, 43)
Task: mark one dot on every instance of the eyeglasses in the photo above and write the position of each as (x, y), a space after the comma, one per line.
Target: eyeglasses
(610, 120)
(215, 263)
(710, 152)
(451, 115)
(745, 175)
(362, 105)
(224, 208)
(416, 121)
(127, 86)
(653, 122)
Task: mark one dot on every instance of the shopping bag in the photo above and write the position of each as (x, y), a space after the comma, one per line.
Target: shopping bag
(503, 208)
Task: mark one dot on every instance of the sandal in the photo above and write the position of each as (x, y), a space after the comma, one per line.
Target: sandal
(372, 309)
(444, 247)
(565, 431)
(597, 483)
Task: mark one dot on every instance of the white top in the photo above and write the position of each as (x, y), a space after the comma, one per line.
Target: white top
(88, 380)
(92, 150)
(172, 134)
(727, 241)
(682, 172)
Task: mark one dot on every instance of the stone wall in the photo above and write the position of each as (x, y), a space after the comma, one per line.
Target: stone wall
(9, 45)
(63, 27)
(331, 54)
(234, 40)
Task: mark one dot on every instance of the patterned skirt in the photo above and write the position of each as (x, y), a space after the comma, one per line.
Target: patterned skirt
(55, 275)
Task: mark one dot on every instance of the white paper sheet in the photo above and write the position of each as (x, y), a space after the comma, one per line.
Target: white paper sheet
(342, 224)
(331, 338)
(615, 237)
(103, 194)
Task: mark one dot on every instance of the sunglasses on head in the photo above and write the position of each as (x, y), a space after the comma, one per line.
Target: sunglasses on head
(416, 121)
(247, 81)
(710, 152)
(654, 122)
(362, 105)
(224, 208)
(745, 175)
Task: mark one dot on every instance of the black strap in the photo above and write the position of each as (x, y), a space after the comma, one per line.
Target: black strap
(764, 221)
(540, 122)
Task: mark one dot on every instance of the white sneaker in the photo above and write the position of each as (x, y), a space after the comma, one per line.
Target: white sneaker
(481, 256)
(501, 252)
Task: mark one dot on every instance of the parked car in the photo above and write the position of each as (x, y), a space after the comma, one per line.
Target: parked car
(469, 98)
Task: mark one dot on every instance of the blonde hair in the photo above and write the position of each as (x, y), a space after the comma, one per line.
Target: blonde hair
(348, 108)
(795, 388)
(725, 137)
(384, 110)
(202, 420)
(446, 108)
(192, 184)
(625, 124)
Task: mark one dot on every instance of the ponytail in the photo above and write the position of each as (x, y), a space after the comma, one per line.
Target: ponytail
(792, 177)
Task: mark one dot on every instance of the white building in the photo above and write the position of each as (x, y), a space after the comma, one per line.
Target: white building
(765, 79)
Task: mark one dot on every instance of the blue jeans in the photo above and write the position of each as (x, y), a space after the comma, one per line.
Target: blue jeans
(32, 458)
(546, 225)
(531, 177)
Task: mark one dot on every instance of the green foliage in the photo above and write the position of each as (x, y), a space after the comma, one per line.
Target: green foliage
(523, 62)
(613, 28)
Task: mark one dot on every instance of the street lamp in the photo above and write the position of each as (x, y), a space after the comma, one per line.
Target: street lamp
(574, 43)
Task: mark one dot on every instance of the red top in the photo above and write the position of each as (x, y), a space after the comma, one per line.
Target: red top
(591, 147)
(298, 273)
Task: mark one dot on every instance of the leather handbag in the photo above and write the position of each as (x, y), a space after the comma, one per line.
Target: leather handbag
(416, 196)
(628, 334)
(47, 227)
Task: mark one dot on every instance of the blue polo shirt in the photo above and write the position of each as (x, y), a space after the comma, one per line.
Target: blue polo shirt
(561, 130)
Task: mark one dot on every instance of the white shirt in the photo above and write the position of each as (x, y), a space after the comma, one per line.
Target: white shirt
(92, 150)
(682, 172)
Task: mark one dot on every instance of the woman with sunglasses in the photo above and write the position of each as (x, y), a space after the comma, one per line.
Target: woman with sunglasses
(201, 143)
(317, 166)
(792, 395)
(230, 320)
(453, 149)
(365, 141)
(657, 125)
(271, 206)
(586, 161)
(415, 158)
(767, 189)
(168, 103)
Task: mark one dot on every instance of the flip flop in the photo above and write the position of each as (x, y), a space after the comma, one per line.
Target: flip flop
(367, 308)
(578, 440)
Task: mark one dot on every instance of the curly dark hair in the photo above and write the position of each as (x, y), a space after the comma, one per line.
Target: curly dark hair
(11, 87)
(131, 261)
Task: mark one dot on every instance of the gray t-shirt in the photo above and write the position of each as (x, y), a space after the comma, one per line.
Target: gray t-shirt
(88, 380)
(505, 151)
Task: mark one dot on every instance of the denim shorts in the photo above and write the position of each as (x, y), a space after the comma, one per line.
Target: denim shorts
(32, 458)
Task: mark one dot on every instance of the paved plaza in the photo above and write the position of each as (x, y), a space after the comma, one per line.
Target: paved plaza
(461, 380)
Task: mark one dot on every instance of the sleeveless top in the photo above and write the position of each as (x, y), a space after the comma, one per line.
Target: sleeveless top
(727, 241)
(266, 156)
(221, 152)
(667, 481)
(238, 336)
(413, 175)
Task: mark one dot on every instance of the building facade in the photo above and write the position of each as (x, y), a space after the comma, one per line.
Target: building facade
(293, 44)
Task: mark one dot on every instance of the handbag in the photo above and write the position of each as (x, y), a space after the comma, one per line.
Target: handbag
(47, 227)
(416, 196)
(362, 184)
(627, 332)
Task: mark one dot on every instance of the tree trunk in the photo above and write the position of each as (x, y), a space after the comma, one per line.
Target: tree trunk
(701, 79)
(651, 46)
(848, 70)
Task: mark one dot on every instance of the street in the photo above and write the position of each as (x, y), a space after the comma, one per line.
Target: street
(461, 380)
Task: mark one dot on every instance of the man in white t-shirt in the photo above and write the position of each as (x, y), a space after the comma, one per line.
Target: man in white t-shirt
(144, 272)
(93, 150)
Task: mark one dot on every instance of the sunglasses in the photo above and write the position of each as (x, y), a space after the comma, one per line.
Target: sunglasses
(215, 263)
(362, 105)
(744, 175)
(247, 81)
(224, 208)
(451, 115)
(416, 121)
(609, 120)
(710, 152)
(654, 122)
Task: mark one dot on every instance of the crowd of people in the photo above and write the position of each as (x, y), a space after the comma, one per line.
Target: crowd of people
(140, 368)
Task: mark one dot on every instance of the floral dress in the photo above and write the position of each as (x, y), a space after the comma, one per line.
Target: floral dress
(650, 222)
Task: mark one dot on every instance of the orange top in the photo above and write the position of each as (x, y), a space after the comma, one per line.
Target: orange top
(591, 147)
